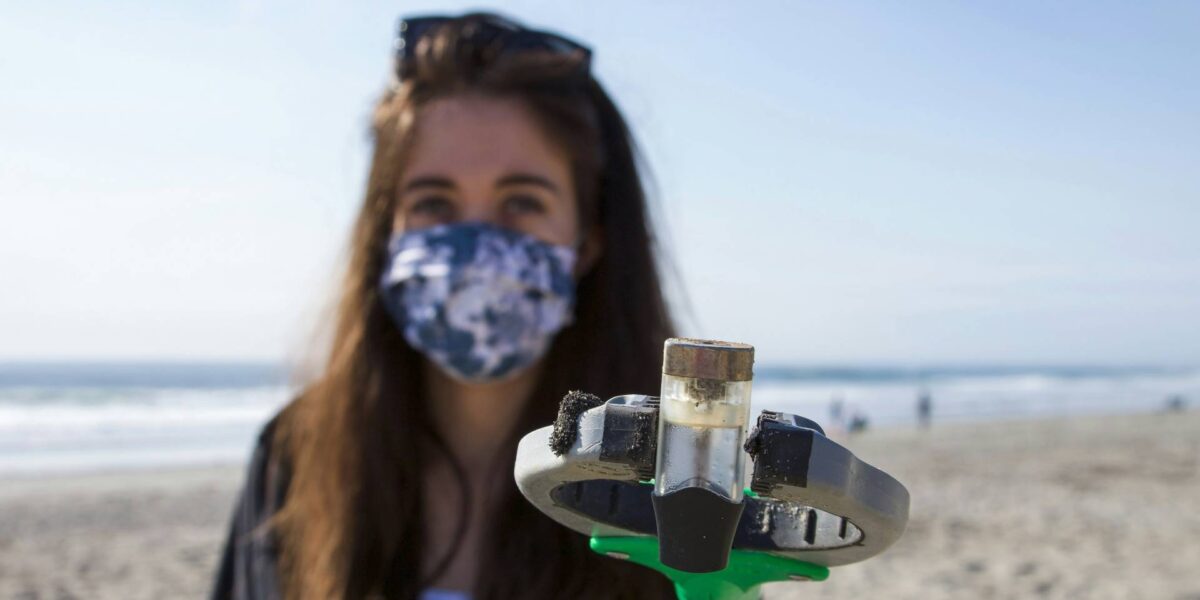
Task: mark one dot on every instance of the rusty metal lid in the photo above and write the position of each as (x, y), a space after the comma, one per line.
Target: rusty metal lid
(708, 359)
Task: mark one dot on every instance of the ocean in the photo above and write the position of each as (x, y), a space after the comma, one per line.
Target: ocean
(79, 417)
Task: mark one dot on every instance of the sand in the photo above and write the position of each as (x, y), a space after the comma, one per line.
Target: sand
(122, 535)
(1082, 508)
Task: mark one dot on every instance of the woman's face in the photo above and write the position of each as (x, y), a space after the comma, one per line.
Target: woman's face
(485, 159)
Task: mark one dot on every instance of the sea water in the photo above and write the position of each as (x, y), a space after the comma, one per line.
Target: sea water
(57, 418)
(86, 417)
(888, 396)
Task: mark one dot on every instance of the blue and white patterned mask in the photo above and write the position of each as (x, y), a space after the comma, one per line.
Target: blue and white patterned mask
(482, 302)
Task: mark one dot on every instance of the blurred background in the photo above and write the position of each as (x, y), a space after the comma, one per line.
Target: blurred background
(991, 211)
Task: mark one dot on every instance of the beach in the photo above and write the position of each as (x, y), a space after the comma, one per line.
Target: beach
(1080, 507)
(143, 534)
(1096, 507)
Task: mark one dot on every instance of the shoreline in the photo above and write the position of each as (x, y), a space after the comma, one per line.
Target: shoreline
(149, 470)
(151, 474)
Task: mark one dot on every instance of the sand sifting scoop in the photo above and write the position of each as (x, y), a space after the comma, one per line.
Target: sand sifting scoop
(661, 481)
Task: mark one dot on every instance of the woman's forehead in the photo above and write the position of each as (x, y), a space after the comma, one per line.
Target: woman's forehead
(473, 134)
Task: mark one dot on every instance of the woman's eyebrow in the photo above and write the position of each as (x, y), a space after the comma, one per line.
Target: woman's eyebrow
(428, 181)
(527, 179)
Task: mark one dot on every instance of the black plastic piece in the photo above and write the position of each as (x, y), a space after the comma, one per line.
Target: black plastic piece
(624, 504)
(695, 529)
(631, 435)
(764, 525)
(781, 445)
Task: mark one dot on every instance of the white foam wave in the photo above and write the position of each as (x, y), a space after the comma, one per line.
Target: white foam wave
(152, 427)
(54, 429)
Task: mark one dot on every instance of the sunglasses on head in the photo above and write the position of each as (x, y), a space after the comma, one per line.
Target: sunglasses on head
(492, 37)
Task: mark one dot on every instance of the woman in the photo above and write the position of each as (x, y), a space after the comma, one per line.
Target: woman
(501, 258)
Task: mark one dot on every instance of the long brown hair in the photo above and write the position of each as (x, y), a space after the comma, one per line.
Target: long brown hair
(357, 438)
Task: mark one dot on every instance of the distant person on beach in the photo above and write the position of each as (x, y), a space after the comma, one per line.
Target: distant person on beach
(924, 408)
(858, 421)
(836, 408)
(501, 257)
(1176, 403)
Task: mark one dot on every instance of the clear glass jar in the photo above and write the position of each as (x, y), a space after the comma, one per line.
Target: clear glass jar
(702, 427)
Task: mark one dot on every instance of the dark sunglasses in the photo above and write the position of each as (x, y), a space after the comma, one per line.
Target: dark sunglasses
(491, 36)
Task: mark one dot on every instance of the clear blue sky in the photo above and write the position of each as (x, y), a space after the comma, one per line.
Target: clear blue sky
(866, 182)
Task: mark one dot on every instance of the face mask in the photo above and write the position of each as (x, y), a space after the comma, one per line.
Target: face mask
(480, 301)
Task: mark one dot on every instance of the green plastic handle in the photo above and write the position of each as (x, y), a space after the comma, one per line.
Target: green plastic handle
(739, 581)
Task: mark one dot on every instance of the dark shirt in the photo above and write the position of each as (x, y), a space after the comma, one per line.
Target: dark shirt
(249, 564)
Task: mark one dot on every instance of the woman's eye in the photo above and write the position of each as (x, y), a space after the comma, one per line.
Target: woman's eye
(432, 206)
(520, 205)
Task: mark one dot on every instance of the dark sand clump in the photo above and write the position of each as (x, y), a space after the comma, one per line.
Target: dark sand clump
(566, 426)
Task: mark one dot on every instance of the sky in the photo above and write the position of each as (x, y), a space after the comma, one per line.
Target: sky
(835, 183)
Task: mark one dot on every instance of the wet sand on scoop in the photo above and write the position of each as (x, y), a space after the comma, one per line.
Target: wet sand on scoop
(1067, 508)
